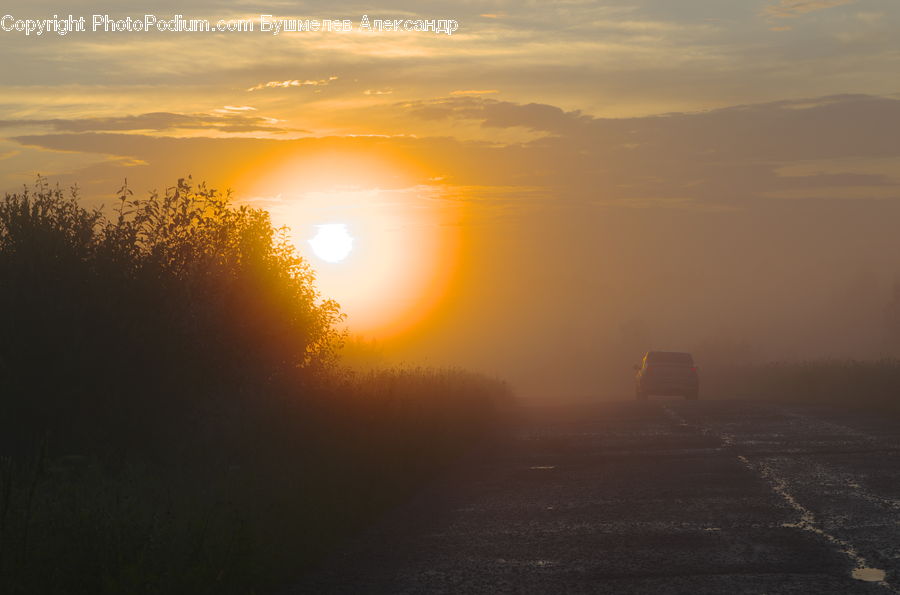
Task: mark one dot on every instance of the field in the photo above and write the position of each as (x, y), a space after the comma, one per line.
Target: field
(855, 383)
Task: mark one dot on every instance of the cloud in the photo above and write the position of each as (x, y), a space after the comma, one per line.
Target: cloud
(230, 119)
(729, 155)
(474, 92)
(726, 158)
(497, 114)
(293, 83)
(795, 8)
(231, 109)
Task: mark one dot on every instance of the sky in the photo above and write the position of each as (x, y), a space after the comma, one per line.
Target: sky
(544, 194)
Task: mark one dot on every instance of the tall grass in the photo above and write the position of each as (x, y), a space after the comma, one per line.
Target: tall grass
(173, 418)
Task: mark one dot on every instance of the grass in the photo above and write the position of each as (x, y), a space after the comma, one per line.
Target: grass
(173, 414)
(248, 522)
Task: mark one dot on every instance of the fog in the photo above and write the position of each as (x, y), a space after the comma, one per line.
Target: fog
(751, 233)
(563, 302)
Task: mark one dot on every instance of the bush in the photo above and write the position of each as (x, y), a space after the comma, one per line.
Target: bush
(164, 311)
(172, 415)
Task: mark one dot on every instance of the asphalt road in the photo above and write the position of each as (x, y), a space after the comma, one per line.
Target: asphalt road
(661, 497)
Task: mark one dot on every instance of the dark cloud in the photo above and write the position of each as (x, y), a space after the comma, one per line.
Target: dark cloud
(497, 114)
(713, 156)
(721, 157)
(835, 126)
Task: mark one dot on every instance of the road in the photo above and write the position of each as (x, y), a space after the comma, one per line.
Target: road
(662, 497)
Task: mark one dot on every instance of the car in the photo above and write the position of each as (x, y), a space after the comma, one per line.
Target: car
(666, 373)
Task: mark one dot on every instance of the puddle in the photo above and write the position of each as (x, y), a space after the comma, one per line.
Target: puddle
(543, 468)
(870, 575)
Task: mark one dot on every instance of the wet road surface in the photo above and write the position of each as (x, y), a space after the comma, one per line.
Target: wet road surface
(662, 497)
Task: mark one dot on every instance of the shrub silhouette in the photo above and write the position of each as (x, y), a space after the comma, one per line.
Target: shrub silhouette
(178, 295)
(172, 415)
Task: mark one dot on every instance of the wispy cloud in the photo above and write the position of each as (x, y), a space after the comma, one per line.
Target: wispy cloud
(784, 9)
(233, 109)
(813, 148)
(474, 92)
(227, 120)
(293, 83)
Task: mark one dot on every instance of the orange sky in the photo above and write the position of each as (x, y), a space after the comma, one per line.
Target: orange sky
(552, 187)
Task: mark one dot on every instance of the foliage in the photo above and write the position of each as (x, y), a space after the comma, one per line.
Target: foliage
(173, 417)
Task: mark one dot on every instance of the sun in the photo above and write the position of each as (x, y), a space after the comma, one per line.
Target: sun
(378, 253)
(332, 243)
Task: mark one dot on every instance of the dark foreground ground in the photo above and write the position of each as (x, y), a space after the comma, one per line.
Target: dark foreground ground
(661, 497)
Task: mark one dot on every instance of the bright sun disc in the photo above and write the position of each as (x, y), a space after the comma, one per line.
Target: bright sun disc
(333, 243)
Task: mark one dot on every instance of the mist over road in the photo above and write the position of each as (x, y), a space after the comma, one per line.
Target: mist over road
(667, 496)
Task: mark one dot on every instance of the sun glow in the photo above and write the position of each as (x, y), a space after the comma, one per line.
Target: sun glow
(332, 243)
(389, 261)
(382, 244)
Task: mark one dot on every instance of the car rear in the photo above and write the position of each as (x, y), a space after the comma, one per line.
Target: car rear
(668, 373)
